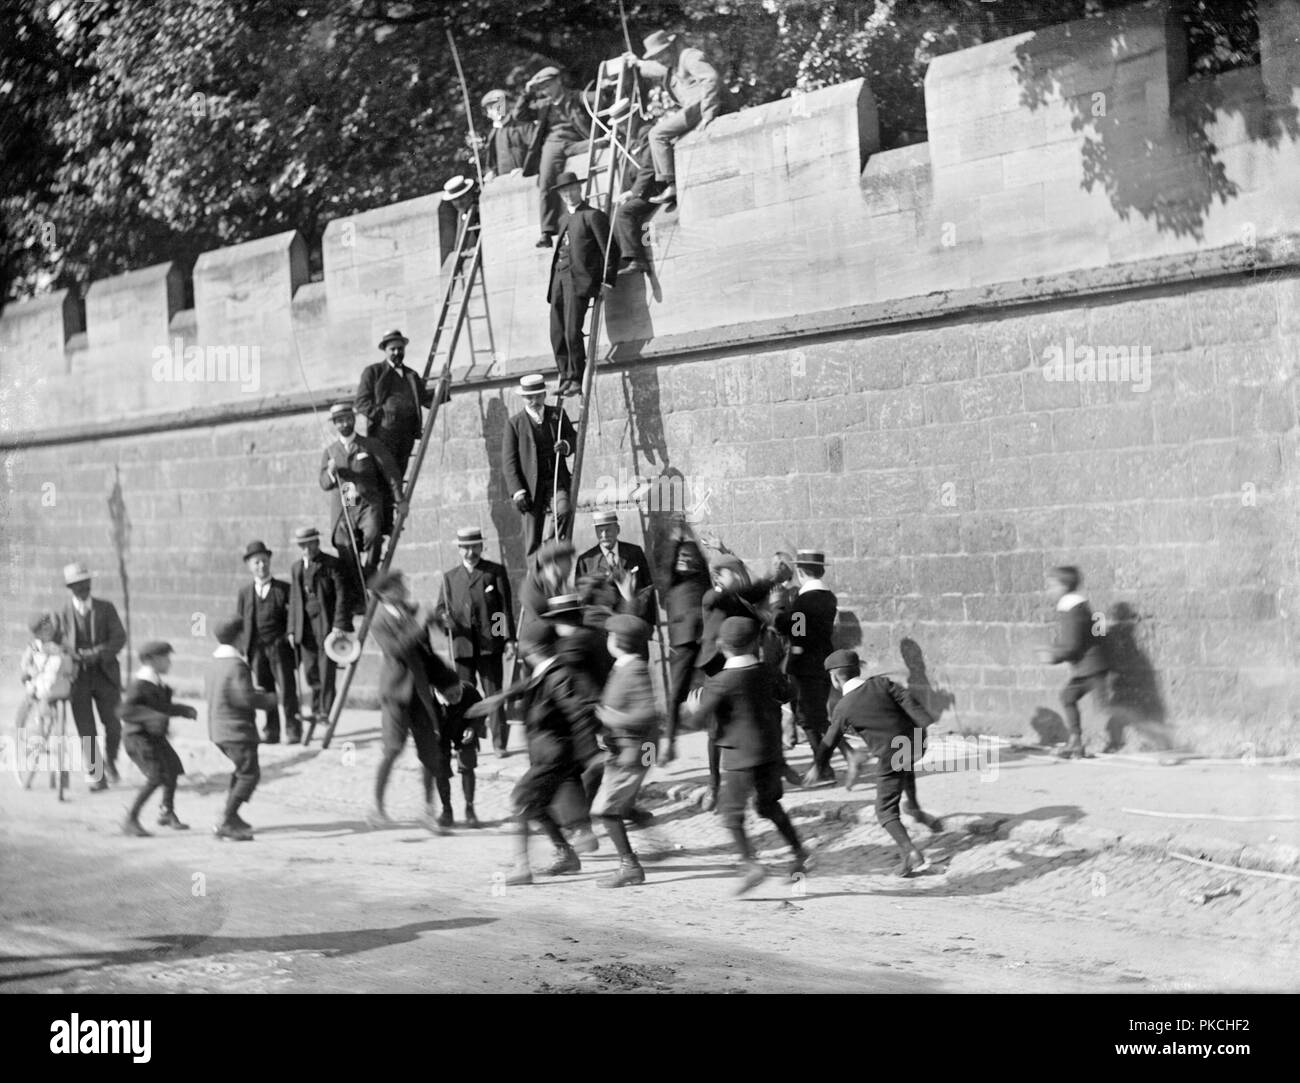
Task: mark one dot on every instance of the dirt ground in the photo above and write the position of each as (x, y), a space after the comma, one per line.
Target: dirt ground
(321, 903)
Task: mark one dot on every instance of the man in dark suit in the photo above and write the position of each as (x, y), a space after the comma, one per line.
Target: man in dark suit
(610, 563)
(537, 442)
(362, 477)
(390, 397)
(744, 701)
(580, 269)
(687, 575)
(476, 610)
(884, 714)
(410, 671)
(94, 636)
(563, 129)
(263, 606)
(808, 624)
(318, 602)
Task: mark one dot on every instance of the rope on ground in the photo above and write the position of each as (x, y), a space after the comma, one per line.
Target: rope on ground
(1235, 868)
(1213, 816)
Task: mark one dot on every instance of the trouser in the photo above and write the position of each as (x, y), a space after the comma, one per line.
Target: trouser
(161, 767)
(1075, 689)
(319, 668)
(488, 668)
(890, 788)
(555, 149)
(93, 692)
(667, 130)
(809, 702)
(366, 539)
(681, 671)
(764, 784)
(538, 521)
(243, 780)
(568, 314)
(397, 721)
(400, 443)
(273, 667)
(578, 790)
(629, 229)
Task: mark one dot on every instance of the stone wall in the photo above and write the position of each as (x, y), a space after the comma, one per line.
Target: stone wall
(839, 347)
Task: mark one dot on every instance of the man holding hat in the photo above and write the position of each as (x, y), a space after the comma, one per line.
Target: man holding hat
(563, 129)
(263, 607)
(631, 720)
(693, 84)
(580, 268)
(364, 482)
(744, 704)
(147, 708)
(318, 602)
(808, 624)
(476, 610)
(506, 145)
(94, 636)
(537, 442)
(892, 723)
(232, 724)
(390, 397)
(619, 569)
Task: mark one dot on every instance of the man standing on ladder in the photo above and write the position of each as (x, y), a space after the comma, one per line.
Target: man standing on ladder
(579, 271)
(563, 129)
(390, 398)
(536, 443)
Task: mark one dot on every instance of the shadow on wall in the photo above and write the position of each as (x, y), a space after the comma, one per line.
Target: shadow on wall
(121, 522)
(505, 520)
(1172, 175)
(649, 450)
(934, 700)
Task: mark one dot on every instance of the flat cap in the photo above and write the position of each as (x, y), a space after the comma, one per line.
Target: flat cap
(737, 632)
(842, 660)
(156, 647)
(627, 627)
(229, 630)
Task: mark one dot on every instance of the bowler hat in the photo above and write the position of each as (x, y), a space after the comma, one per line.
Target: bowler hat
(342, 648)
(842, 660)
(564, 180)
(656, 43)
(255, 548)
(563, 605)
(393, 336)
(738, 632)
(457, 187)
(229, 630)
(155, 647)
(383, 581)
(339, 409)
(469, 535)
(532, 384)
(305, 534)
(75, 573)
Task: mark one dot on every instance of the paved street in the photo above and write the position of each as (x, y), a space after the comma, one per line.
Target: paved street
(321, 903)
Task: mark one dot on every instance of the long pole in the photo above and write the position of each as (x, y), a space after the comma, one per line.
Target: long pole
(469, 106)
(627, 38)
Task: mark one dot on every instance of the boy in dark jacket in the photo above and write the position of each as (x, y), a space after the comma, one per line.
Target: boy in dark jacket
(687, 576)
(461, 736)
(1078, 643)
(744, 701)
(145, 712)
(884, 714)
(233, 704)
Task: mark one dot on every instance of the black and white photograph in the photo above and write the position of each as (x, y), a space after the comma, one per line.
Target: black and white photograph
(557, 497)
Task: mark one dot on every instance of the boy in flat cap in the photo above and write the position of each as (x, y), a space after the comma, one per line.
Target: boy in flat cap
(884, 714)
(233, 704)
(744, 701)
(1077, 643)
(460, 736)
(146, 711)
(631, 720)
(94, 636)
(263, 605)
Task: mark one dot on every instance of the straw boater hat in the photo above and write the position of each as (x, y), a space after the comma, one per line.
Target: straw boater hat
(563, 605)
(342, 648)
(255, 548)
(604, 517)
(809, 556)
(657, 43)
(469, 535)
(532, 384)
(339, 409)
(457, 187)
(305, 534)
(75, 573)
(393, 336)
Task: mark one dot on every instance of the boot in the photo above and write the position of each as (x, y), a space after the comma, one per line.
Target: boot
(799, 865)
(566, 860)
(583, 840)
(110, 772)
(629, 874)
(231, 832)
(470, 819)
(522, 873)
(99, 786)
(377, 817)
(168, 818)
(435, 823)
(468, 783)
(752, 874)
(131, 826)
(911, 860)
(444, 796)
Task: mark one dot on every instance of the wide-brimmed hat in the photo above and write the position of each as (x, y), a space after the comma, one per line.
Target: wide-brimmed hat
(254, 548)
(469, 535)
(339, 409)
(563, 605)
(532, 384)
(342, 648)
(305, 534)
(155, 647)
(75, 573)
(393, 336)
(457, 187)
(564, 180)
(656, 43)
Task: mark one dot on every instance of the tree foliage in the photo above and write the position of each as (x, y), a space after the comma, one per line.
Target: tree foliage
(135, 131)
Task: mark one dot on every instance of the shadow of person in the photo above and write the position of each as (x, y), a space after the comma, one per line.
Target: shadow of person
(934, 700)
(628, 321)
(847, 634)
(1135, 700)
(1049, 726)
